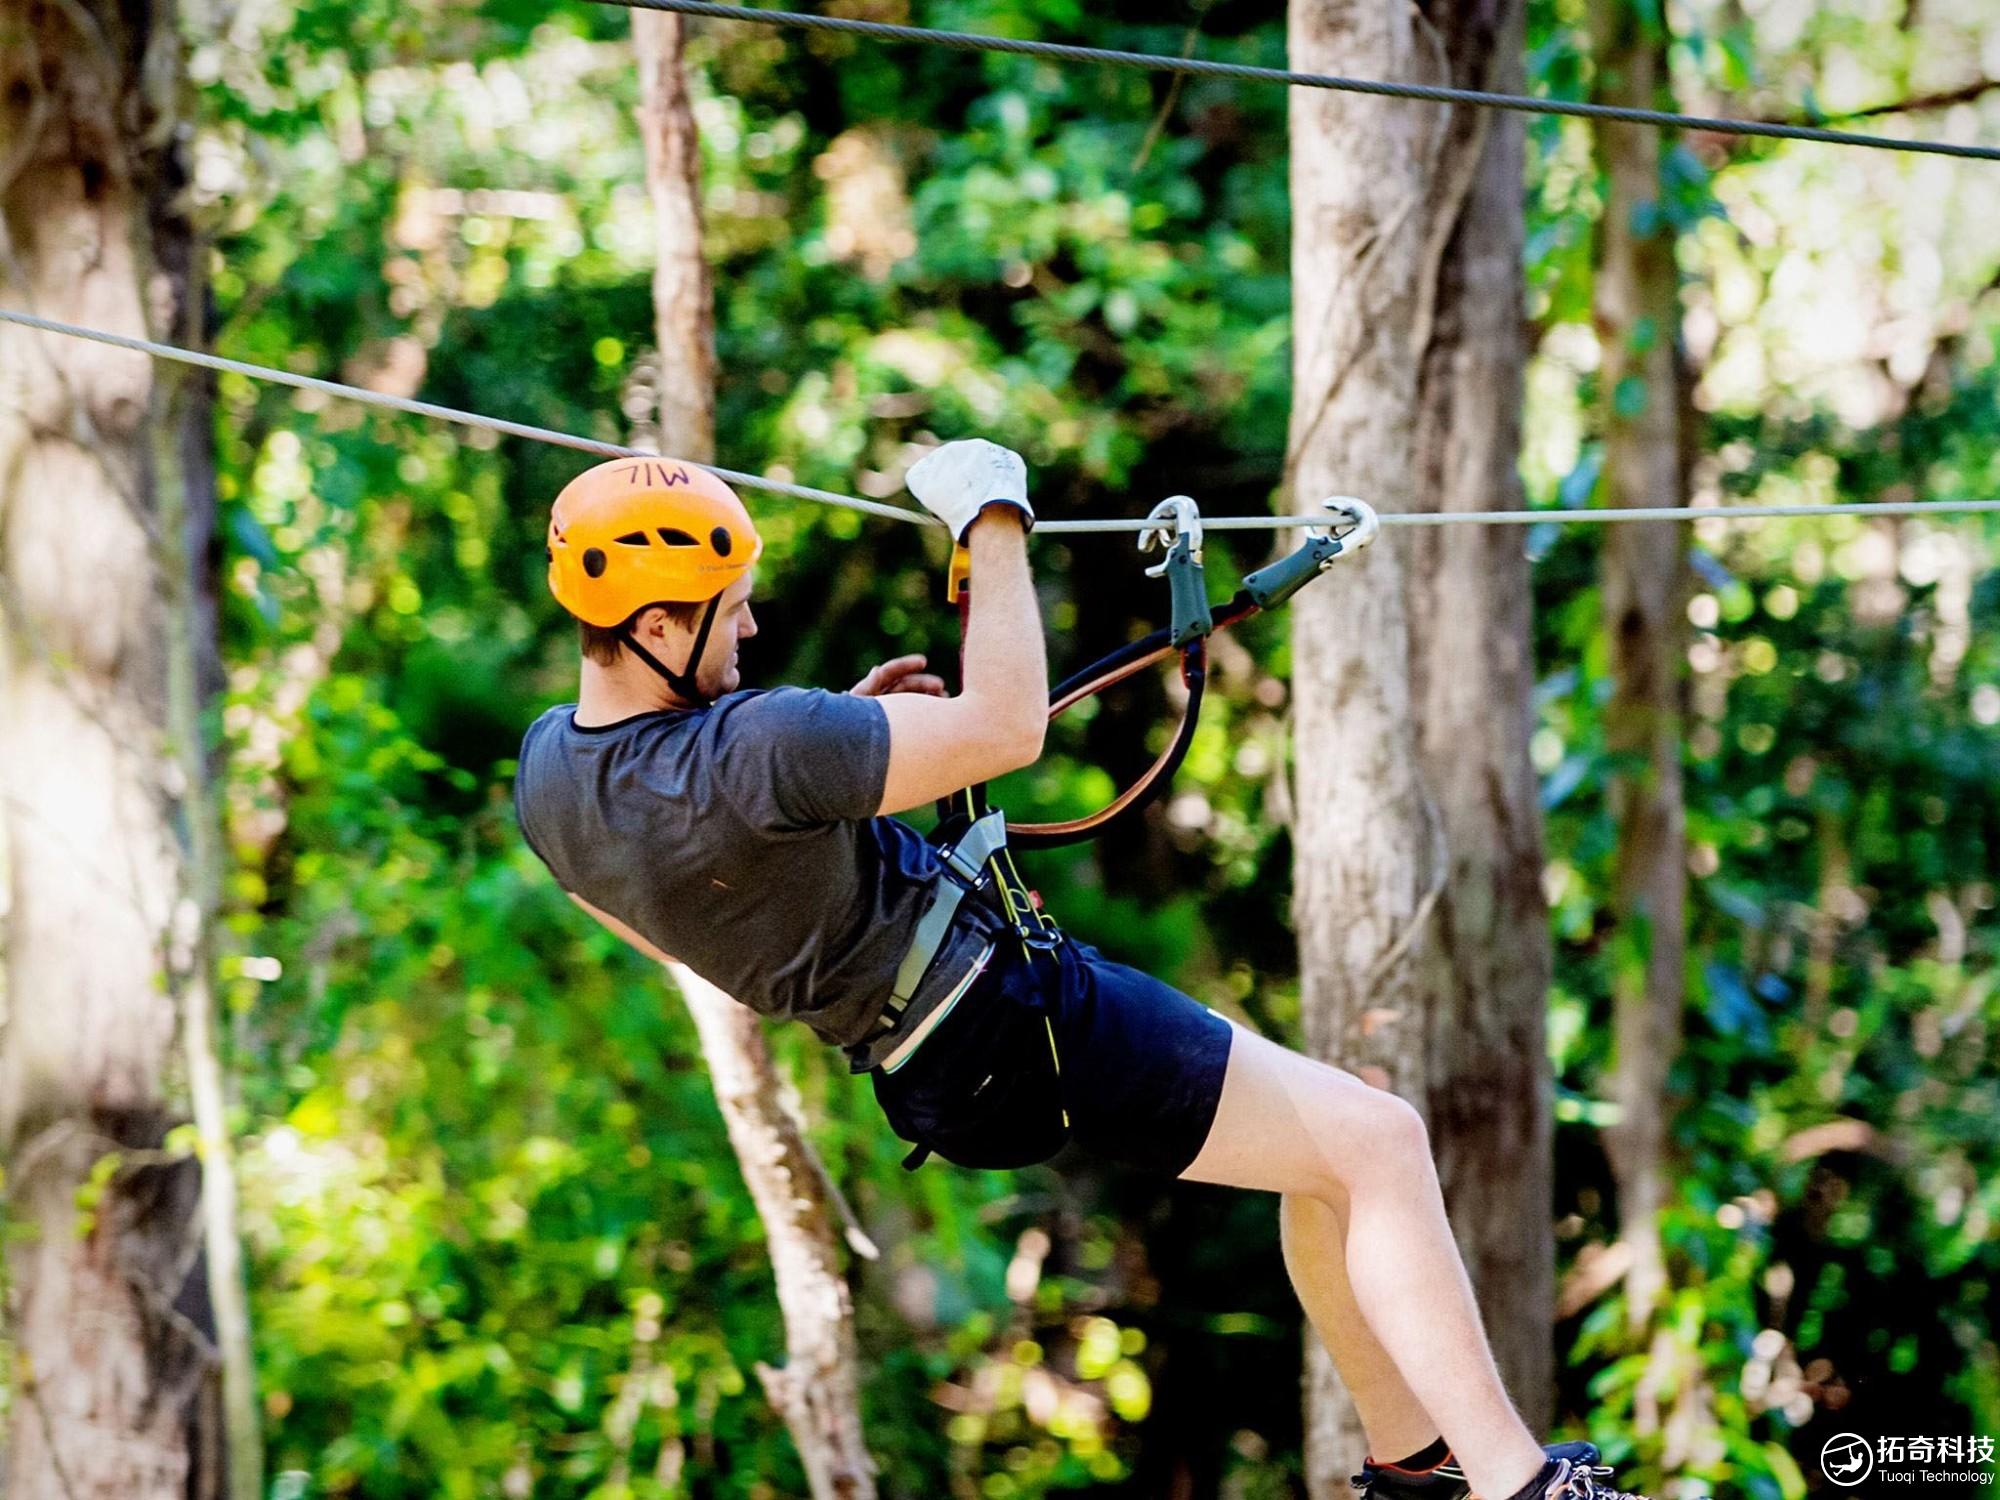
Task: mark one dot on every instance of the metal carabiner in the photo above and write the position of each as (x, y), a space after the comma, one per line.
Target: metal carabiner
(1179, 533)
(1364, 522)
(1179, 518)
(1273, 585)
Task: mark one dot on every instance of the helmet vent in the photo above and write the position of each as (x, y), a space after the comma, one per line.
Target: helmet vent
(634, 539)
(594, 561)
(721, 541)
(673, 536)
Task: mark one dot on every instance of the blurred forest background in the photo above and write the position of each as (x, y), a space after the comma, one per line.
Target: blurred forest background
(496, 1240)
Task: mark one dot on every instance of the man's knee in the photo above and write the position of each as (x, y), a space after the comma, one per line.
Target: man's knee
(1362, 1136)
(1399, 1130)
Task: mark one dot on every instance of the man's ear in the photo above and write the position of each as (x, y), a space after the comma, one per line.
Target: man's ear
(651, 621)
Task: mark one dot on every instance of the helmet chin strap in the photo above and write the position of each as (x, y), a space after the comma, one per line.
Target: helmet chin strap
(683, 683)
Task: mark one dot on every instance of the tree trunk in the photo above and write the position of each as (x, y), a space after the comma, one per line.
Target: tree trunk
(683, 297)
(818, 1392)
(1369, 181)
(1422, 930)
(1473, 673)
(113, 1369)
(183, 479)
(1644, 588)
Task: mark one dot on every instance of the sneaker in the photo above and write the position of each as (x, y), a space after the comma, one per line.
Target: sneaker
(1578, 1480)
(1447, 1480)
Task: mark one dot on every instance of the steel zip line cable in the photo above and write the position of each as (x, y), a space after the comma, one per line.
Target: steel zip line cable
(971, 41)
(1132, 524)
(441, 413)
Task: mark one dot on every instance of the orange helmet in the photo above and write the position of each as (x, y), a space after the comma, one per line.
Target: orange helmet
(639, 531)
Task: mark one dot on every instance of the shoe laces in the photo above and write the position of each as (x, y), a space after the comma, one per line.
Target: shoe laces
(1576, 1481)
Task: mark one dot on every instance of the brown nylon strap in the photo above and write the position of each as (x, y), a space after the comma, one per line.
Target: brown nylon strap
(1097, 685)
(1082, 827)
(1031, 835)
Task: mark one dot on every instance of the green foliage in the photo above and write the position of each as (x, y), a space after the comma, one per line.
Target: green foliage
(1833, 1241)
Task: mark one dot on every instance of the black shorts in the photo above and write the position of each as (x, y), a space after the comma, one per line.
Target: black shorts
(1063, 1046)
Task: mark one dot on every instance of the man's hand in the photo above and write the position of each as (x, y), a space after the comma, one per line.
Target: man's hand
(905, 674)
(956, 481)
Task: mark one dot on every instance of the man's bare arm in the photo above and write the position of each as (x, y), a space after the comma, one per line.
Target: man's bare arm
(997, 722)
(621, 930)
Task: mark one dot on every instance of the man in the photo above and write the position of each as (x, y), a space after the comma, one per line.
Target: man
(752, 835)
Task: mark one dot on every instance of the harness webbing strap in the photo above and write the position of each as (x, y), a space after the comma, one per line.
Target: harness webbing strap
(1134, 657)
(1264, 589)
(1156, 779)
(979, 843)
(1107, 672)
(967, 857)
(931, 928)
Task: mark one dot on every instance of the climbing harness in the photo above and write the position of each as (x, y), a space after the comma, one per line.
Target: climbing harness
(976, 842)
(971, 841)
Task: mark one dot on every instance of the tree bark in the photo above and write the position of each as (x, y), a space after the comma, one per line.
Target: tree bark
(181, 426)
(1473, 673)
(1363, 848)
(108, 1314)
(683, 297)
(818, 1392)
(1422, 928)
(1644, 580)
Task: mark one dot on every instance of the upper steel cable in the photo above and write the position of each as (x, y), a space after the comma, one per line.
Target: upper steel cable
(971, 41)
(899, 513)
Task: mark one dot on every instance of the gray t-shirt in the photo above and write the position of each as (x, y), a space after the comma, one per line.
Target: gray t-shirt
(742, 839)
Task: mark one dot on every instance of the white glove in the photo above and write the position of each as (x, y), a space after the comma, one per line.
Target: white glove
(956, 481)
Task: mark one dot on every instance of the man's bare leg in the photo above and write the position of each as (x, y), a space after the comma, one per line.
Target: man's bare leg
(1314, 1235)
(1287, 1124)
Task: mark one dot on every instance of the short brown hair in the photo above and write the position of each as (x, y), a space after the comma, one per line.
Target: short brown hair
(601, 642)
